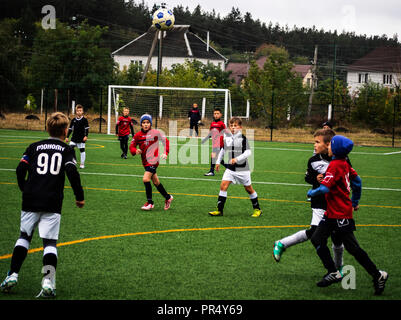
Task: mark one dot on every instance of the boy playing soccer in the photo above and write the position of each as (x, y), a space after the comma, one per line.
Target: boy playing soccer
(237, 169)
(46, 162)
(148, 141)
(194, 118)
(216, 133)
(338, 218)
(80, 129)
(317, 166)
(123, 129)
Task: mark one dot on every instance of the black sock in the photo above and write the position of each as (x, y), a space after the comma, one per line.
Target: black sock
(255, 203)
(212, 165)
(19, 255)
(221, 201)
(50, 259)
(163, 191)
(148, 188)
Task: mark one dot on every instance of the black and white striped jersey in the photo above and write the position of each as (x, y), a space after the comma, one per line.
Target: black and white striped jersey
(235, 146)
(79, 128)
(46, 163)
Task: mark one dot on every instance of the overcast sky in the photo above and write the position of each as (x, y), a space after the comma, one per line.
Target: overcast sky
(370, 17)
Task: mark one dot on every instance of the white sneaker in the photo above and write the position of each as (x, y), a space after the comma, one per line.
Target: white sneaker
(82, 166)
(10, 281)
(147, 206)
(48, 289)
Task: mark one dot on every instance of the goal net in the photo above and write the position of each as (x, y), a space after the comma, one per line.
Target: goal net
(166, 103)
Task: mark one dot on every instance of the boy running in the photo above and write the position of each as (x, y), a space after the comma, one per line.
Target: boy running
(216, 132)
(237, 169)
(79, 128)
(46, 162)
(148, 141)
(317, 166)
(123, 129)
(339, 180)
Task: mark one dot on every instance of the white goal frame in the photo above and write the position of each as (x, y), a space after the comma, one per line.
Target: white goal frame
(227, 99)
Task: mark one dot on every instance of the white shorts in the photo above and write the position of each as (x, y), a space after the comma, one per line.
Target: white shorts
(240, 177)
(80, 145)
(47, 223)
(317, 215)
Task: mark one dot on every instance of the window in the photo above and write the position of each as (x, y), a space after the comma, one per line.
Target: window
(363, 78)
(387, 78)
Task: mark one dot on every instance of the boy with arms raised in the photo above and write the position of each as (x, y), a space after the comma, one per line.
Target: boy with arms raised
(336, 186)
(317, 166)
(216, 132)
(79, 128)
(147, 139)
(237, 169)
(46, 162)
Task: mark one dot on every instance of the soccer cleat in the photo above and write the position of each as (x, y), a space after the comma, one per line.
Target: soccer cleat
(82, 166)
(209, 174)
(216, 213)
(10, 281)
(278, 250)
(167, 203)
(125, 156)
(329, 279)
(256, 213)
(380, 282)
(147, 206)
(48, 289)
(122, 155)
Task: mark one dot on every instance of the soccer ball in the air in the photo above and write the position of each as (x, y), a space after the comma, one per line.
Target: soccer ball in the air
(163, 19)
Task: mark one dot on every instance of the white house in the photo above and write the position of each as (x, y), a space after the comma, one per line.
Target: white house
(178, 44)
(382, 66)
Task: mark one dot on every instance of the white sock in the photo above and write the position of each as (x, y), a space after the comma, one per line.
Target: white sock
(83, 156)
(295, 238)
(338, 255)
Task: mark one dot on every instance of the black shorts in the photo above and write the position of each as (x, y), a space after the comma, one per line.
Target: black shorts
(151, 169)
(338, 225)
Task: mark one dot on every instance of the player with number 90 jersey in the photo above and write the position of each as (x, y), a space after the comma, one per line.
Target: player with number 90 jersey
(47, 162)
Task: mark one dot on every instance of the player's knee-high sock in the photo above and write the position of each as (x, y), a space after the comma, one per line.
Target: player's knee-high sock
(148, 188)
(19, 255)
(212, 165)
(50, 256)
(83, 155)
(295, 238)
(163, 191)
(221, 200)
(338, 251)
(254, 200)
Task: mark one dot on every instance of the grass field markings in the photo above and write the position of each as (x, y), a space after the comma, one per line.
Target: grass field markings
(68, 243)
(214, 196)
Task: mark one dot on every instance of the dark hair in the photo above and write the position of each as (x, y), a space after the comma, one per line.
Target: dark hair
(327, 134)
(327, 123)
(217, 109)
(236, 120)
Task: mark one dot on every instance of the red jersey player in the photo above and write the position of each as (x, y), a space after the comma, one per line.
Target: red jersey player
(123, 128)
(146, 143)
(216, 132)
(340, 178)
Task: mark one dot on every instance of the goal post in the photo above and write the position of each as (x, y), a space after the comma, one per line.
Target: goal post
(172, 103)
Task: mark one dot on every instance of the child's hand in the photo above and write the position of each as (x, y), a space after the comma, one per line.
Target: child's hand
(66, 140)
(138, 151)
(319, 177)
(164, 156)
(80, 204)
(85, 138)
(356, 208)
(217, 167)
(233, 161)
(213, 154)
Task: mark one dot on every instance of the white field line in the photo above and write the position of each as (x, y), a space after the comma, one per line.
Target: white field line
(209, 180)
(188, 144)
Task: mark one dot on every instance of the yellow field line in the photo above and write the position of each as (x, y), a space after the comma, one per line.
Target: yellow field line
(213, 196)
(196, 167)
(68, 243)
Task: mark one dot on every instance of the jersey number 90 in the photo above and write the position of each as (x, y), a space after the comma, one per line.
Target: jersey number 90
(53, 167)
